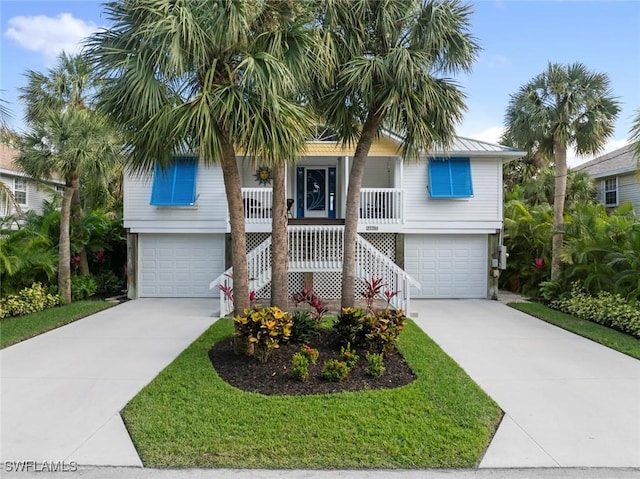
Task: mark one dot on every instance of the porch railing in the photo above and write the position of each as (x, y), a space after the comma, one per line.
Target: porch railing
(381, 205)
(319, 248)
(258, 204)
(377, 205)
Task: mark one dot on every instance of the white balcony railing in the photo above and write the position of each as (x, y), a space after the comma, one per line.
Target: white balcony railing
(377, 205)
(381, 205)
(258, 204)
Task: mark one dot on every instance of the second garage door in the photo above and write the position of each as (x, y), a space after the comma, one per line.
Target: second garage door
(447, 266)
(179, 265)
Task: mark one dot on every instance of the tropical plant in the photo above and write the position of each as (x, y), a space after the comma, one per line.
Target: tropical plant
(563, 107)
(385, 66)
(71, 85)
(72, 144)
(206, 77)
(26, 257)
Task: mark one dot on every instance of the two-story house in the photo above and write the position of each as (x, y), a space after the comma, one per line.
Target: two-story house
(431, 228)
(616, 178)
(27, 193)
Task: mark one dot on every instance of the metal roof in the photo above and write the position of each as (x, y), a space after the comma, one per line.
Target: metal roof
(617, 162)
(468, 146)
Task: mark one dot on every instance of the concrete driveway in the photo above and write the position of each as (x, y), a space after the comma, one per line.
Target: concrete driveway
(61, 392)
(569, 402)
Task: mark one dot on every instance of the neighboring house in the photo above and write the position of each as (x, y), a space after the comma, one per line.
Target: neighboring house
(616, 178)
(431, 228)
(27, 193)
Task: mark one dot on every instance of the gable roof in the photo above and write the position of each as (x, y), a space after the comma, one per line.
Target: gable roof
(8, 156)
(617, 162)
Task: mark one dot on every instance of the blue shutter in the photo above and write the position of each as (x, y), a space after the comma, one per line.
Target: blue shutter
(450, 178)
(176, 184)
(461, 178)
(439, 179)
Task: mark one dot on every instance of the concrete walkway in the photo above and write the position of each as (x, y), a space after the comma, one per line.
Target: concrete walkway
(61, 392)
(569, 402)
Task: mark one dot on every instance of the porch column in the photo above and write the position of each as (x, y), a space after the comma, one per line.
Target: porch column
(345, 185)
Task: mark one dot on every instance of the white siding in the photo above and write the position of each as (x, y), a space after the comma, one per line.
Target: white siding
(482, 211)
(447, 266)
(629, 190)
(179, 265)
(208, 215)
(35, 194)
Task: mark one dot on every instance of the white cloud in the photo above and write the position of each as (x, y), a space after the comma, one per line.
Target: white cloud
(614, 144)
(49, 36)
(491, 135)
(493, 60)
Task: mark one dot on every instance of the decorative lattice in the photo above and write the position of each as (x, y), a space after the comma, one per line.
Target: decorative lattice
(383, 242)
(255, 239)
(296, 283)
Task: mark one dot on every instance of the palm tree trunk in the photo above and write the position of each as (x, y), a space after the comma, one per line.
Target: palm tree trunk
(64, 248)
(233, 188)
(560, 156)
(369, 132)
(279, 241)
(76, 207)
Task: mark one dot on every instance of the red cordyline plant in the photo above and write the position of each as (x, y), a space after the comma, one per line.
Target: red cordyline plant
(374, 287)
(307, 296)
(228, 290)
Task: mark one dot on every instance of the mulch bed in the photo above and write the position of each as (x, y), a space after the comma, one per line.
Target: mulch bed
(275, 378)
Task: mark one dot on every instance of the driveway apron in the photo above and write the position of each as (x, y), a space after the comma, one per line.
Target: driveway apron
(61, 392)
(568, 401)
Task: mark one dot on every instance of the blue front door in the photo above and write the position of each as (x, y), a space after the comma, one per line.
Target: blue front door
(316, 192)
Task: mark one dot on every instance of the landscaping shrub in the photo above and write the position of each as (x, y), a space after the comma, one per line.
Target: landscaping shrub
(304, 327)
(335, 370)
(300, 367)
(260, 330)
(349, 355)
(108, 282)
(375, 364)
(310, 353)
(83, 287)
(28, 300)
(605, 308)
(376, 331)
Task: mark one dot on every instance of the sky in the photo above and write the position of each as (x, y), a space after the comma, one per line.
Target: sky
(518, 39)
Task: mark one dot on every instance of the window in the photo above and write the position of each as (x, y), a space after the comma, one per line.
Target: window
(60, 189)
(450, 178)
(610, 191)
(20, 190)
(175, 185)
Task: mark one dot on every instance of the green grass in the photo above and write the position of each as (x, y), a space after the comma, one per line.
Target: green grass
(596, 332)
(189, 417)
(14, 330)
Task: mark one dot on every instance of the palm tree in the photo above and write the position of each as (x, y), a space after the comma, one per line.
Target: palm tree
(634, 134)
(72, 144)
(205, 77)
(563, 107)
(385, 66)
(68, 85)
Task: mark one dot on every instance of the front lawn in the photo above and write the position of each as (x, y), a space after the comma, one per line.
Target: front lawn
(596, 332)
(189, 417)
(16, 329)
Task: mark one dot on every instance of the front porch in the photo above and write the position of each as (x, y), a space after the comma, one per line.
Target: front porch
(315, 255)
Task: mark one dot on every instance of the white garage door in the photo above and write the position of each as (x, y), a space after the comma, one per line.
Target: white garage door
(447, 266)
(179, 265)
